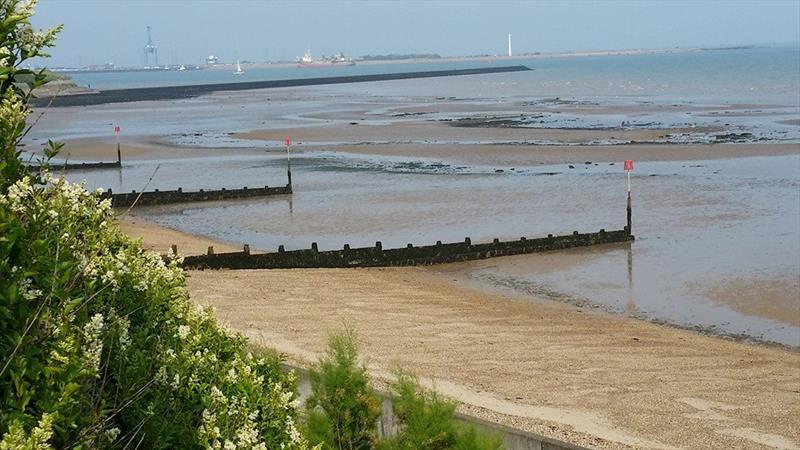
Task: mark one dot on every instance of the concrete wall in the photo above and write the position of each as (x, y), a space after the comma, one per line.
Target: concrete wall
(164, 197)
(180, 92)
(409, 256)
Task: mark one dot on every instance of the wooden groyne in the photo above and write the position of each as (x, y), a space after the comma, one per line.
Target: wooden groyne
(80, 166)
(409, 256)
(158, 197)
(182, 92)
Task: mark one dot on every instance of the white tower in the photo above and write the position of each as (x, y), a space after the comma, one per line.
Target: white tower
(509, 45)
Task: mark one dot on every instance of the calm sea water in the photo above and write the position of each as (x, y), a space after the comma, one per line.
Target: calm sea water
(717, 241)
(754, 75)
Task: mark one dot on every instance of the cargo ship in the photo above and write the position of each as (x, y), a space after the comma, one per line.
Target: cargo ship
(338, 59)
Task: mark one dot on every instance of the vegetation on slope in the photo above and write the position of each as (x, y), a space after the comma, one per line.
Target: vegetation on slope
(99, 344)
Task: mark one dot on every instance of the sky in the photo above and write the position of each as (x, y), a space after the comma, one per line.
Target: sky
(186, 31)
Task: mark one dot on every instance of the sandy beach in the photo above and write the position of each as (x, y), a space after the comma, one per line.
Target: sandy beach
(566, 372)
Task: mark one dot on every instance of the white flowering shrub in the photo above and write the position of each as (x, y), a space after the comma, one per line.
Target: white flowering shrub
(99, 344)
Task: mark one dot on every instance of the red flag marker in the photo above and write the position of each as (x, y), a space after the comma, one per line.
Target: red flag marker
(287, 141)
(629, 168)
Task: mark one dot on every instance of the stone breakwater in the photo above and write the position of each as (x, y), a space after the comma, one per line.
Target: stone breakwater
(158, 197)
(409, 256)
(183, 92)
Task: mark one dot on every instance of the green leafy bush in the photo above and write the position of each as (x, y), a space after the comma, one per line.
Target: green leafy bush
(427, 422)
(99, 344)
(343, 410)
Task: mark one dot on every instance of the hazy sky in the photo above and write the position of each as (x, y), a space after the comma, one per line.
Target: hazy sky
(186, 31)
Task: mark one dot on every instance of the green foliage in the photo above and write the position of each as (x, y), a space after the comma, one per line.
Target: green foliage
(19, 42)
(428, 422)
(343, 409)
(99, 344)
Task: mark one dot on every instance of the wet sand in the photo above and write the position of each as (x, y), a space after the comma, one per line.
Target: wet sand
(567, 372)
(510, 155)
(153, 148)
(435, 132)
(105, 149)
(161, 239)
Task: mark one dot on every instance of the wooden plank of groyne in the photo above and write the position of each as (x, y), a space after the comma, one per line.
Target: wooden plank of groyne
(159, 197)
(410, 255)
(78, 166)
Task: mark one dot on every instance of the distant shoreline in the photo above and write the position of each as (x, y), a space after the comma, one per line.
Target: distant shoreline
(521, 56)
(442, 59)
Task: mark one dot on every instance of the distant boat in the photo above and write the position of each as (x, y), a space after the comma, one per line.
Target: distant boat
(239, 70)
(336, 60)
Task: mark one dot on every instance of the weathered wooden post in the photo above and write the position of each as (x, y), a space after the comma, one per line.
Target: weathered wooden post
(629, 213)
(174, 249)
(119, 154)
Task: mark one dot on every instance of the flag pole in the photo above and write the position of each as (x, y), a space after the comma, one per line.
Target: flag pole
(288, 142)
(629, 169)
(119, 154)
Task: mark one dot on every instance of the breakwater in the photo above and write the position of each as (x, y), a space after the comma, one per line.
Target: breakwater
(80, 166)
(158, 197)
(411, 255)
(183, 92)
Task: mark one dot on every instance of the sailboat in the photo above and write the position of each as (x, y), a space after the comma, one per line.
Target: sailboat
(239, 70)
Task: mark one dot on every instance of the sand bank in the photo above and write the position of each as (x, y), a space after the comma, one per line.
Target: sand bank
(148, 148)
(437, 132)
(506, 146)
(133, 149)
(563, 371)
(520, 155)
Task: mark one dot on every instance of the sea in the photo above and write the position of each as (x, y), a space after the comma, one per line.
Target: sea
(717, 240)
(753, 75)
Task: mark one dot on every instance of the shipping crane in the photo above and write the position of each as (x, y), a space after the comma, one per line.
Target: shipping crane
(150, 49)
